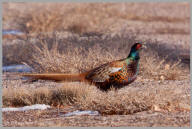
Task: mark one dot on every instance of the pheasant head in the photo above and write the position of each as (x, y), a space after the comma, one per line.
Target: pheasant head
(134, 53)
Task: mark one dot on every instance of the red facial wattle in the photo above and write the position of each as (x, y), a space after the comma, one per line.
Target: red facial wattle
(138, 46)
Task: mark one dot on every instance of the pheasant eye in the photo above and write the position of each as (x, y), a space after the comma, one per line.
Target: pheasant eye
(138, 46)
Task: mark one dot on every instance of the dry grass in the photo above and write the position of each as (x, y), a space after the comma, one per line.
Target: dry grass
(172, 31)
(58, 96)
(91, 17)
(128, 100)
(75, 59)
(54, 53)
(135, 100)
(153, 67)
(23, 51)
(49, 55)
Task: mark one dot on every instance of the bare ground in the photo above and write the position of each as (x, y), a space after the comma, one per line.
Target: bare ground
(50, 118)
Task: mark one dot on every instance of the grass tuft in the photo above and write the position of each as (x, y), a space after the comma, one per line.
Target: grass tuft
(43, 95)
(127, 100)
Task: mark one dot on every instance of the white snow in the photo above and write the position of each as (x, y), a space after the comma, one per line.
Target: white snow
(13, 32)
(17, 68)
(43, 107)
(25, 108)
(78, 113)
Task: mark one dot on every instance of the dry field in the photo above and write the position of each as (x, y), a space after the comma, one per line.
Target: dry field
(73, 38)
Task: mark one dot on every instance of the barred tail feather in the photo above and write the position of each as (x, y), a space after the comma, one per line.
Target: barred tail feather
(57, 77)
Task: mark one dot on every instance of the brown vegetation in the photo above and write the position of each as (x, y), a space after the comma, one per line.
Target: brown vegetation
(91, 17)
(128, 100)
(47, 56)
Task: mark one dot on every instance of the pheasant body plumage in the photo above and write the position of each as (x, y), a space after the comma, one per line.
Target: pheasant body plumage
(113, 74)
(116, 74)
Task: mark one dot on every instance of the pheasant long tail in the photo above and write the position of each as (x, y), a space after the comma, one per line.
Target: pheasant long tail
(57, 77)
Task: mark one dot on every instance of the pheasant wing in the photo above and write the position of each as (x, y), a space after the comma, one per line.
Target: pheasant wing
(102, 73)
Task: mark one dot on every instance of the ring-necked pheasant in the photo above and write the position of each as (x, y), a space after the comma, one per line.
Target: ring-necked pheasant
(116, 73)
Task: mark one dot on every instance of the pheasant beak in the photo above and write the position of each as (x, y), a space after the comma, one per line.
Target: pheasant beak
(144, 46)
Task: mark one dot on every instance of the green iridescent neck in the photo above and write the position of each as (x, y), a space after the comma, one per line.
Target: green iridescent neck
(134, 54)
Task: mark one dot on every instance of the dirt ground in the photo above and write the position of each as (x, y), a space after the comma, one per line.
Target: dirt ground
(167, 23)
(51, 118)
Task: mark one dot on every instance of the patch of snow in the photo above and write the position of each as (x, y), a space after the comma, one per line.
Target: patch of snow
(17, 68)
(78, 113)
(25, 108)
(14, 32)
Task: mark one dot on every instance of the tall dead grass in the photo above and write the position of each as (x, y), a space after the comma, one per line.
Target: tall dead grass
(49, 57)
(132, 100)
(153, 67)
(128, 100)
(66, 95)
(54, 54)
(74, 60)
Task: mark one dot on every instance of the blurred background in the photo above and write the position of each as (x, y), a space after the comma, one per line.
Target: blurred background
(152, 20)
